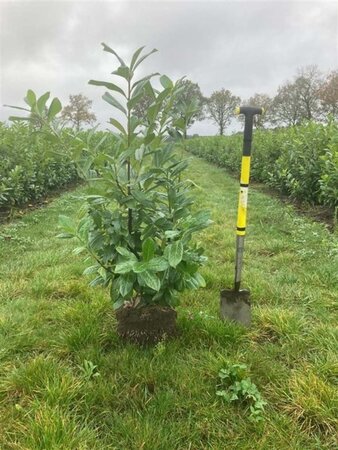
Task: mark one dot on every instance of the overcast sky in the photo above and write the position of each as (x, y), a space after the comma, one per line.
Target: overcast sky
(244, 46)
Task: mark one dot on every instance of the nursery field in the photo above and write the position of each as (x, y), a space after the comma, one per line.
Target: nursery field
(68, 382)
(300, 162)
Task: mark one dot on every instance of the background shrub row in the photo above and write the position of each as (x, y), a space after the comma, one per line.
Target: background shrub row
(30, 166)
(300, 161)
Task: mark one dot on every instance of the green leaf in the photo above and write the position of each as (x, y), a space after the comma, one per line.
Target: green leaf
(144, 57)
(13, 118)
(126, 284)
(30, 98)
(134, 100)
(149, 279)
(139, 153)
(135, 56)
(91, 269)
(166, 82)
(41, 103)
(200, 280)
(118, 125)
(148, 249)
(148, 89)
(110, 86)
(152, 112)
(141, 80)
(65, 236)
(122, 71)
(54, 108)
(174, 253)
(112, 101)
(106, 48)
(150, 137)
(67, 224)
(158, 264)
(126, 253)
(125, 266)
(140, 266)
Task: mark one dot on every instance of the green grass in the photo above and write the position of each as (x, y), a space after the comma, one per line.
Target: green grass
(51, 322)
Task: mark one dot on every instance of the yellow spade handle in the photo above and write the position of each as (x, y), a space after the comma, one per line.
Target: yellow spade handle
(243, 195)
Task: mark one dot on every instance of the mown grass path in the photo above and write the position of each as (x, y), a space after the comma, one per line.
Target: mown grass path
(164, 397)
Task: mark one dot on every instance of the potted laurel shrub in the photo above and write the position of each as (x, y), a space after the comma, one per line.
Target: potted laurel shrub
(138, 222)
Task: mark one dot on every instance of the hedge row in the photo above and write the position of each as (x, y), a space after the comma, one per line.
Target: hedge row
(30, 166)
(300, 162)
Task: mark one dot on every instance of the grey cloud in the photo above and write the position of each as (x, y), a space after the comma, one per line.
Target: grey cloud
(246, 47)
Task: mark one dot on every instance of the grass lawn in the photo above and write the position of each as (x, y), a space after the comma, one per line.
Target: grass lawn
(164, 398)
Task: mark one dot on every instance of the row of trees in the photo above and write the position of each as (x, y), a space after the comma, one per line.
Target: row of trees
(309, 96)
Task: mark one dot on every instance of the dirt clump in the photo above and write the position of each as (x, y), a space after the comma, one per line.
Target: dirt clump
(146, 324)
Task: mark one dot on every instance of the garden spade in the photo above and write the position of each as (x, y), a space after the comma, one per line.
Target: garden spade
(235, 303)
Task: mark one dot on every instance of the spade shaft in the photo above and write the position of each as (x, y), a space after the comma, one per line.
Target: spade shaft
(235, 304)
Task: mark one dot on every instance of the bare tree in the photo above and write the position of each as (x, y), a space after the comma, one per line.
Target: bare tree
(298, 100)
(328, 94)
(78, 111)
(286, 108)
(307, 85)
(220, 108)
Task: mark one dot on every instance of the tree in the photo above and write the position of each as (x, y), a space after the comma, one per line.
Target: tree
(78, 111)
(328, 94)
(307, 86)
(262, 101)
(189, 103)
(286, 107)
(220, 107)
(298, 100)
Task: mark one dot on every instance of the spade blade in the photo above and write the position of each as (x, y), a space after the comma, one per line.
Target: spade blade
(235, 306)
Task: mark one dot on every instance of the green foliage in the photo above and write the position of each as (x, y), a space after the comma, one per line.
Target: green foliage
(300, 161)
(89, 370)
(236, 386)
(31, 165)
(48, 314)
(138, 223)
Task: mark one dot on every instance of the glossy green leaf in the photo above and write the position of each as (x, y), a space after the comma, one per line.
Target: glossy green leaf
(149, 279)
(112, 101)
(125, 266)
(54, 108)
(148, 249)
(106, 48)
(110, 86)
(135, 57)
(166, 82)
(14, 118)
(30, 98)
(126, 283)
(154, 50)
(122, 71)
(41, 103)
(117, 125)
(174, 253)
(141, 80)
(67, 224)
(158, 264)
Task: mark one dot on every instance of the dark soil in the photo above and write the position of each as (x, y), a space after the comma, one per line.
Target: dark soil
(147, 324)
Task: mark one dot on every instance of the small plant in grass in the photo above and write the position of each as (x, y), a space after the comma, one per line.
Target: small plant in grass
(236, 386)
(89, 370)
(138, 222)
